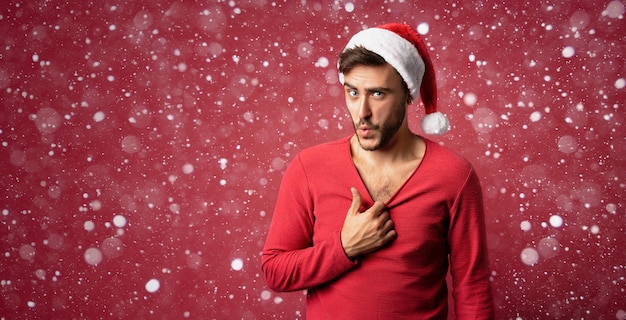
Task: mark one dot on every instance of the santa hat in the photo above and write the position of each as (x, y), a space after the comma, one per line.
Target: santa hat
(401, 46)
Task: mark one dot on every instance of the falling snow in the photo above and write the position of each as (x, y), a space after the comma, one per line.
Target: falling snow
(143, 146)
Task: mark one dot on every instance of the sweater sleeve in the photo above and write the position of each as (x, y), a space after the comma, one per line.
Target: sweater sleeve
(469, 264)
(290, 260)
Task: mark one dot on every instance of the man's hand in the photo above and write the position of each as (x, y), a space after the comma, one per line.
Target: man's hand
(365, 232)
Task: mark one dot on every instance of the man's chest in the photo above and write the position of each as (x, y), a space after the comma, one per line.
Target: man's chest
(383, 182)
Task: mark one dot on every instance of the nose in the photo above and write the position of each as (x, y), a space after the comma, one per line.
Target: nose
(364, 110)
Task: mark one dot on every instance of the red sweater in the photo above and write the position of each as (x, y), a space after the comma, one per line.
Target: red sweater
(438, 216)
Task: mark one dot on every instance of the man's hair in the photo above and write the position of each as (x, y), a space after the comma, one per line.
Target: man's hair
(358, 55)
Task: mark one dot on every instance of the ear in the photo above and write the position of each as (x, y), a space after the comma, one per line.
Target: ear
(408, 98)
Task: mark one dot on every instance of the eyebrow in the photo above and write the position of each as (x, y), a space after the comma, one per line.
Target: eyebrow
(368, 90)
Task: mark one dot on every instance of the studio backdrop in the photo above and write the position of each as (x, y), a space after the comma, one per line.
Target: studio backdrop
(142, 145)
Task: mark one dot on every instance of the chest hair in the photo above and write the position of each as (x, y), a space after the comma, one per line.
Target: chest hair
(382, 182)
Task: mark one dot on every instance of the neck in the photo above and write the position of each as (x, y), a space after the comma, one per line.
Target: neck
(403, 147)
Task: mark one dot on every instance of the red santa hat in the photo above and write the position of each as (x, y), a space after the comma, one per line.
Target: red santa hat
(401, 46)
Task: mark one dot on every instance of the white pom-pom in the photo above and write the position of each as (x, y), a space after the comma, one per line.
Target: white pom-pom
(435, 123)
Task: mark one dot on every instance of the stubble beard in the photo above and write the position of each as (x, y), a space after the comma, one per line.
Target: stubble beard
(387, 130)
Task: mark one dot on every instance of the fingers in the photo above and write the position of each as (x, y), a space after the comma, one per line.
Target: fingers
(385, 223)
(356, 201)
(387, 231)
(390, 235)
(388, 226)
(377, 208)
(368, 231)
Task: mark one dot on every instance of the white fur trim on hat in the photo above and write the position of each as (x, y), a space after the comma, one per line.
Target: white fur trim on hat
(398, 52)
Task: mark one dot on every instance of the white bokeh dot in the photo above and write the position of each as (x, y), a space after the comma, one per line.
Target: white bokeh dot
(153, 285)
(568, 52)
(423, 28)
(470, 99)
(322, 62)
(93, 256)
(556, 221)
(99, 116)
(529, 256)
(237, 264)
(535, 116)
(187, 168)
(119, 221)
(89, 225)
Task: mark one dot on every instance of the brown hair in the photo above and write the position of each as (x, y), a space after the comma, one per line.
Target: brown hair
(361, 56)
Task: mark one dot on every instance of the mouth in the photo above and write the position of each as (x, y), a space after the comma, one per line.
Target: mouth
(365, 131)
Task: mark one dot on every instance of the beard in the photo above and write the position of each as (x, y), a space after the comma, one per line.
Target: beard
(386, 130)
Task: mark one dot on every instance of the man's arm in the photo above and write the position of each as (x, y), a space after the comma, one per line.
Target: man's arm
(469, 263)
(290, 260)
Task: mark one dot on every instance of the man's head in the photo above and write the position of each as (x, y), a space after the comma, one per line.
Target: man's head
(376, 97)
(400, 46)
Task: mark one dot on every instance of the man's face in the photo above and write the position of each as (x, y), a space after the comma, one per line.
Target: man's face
(377, 103)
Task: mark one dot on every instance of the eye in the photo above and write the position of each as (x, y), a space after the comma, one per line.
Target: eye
(352, 92)
(378, 94)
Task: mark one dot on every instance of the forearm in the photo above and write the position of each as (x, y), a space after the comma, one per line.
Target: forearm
(296, 269)
(292, 259)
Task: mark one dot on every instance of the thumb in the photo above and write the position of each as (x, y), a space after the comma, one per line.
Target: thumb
(356, 201)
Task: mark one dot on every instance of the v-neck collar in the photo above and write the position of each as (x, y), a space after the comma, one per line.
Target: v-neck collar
(361, 184)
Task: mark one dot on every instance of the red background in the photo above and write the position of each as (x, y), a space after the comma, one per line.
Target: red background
(147, 140)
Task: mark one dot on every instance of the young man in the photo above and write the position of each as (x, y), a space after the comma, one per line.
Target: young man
(370, 224)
